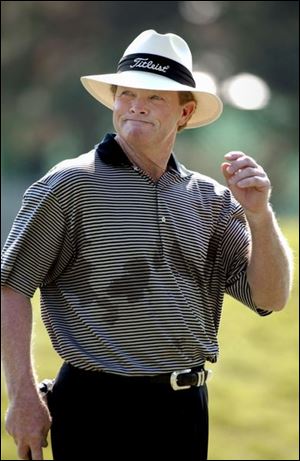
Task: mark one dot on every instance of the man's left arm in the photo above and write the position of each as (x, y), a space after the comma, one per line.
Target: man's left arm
(269, 270)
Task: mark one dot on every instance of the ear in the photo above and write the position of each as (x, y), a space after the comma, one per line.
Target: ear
(187, 111)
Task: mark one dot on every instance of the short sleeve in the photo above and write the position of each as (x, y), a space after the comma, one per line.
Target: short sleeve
(38, 246)
(236, 247)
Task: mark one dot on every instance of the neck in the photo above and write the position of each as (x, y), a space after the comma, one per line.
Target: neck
(154, 164)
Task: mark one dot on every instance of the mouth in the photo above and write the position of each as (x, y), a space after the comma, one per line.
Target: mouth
(138, 121)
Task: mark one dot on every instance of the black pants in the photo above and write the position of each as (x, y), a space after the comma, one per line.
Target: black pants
(107, 417)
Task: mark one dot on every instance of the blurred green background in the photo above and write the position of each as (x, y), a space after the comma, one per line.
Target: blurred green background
(47, 116)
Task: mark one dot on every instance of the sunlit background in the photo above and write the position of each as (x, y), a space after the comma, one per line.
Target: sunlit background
(245, 51)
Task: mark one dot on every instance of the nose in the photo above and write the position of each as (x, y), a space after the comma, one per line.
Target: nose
(139, 107)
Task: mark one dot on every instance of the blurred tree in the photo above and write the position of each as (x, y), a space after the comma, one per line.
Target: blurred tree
(48, 45)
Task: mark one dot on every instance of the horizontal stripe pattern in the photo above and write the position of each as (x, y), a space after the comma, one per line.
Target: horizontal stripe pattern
(132, 273)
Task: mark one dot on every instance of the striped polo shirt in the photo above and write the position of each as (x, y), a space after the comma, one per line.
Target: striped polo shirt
(132, 273)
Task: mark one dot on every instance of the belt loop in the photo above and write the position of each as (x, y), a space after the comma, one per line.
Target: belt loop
(201, 378)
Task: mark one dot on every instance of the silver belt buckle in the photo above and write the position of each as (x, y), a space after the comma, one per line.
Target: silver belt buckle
(173, 379)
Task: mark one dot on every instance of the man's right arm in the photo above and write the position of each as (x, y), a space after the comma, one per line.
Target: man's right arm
(28, 419)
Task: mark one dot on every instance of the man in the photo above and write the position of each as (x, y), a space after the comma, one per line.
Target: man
(133, 253)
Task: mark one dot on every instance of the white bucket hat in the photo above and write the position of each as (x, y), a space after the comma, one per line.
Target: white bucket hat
(160, 62)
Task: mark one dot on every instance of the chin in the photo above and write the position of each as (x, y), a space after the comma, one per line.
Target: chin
(137, 133)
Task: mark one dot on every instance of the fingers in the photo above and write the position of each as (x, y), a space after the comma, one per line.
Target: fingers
(32, 451)
(224, 167)
(29, 424)
(239, 160)
(254, 181)
(24, 452)
(243, 171)
(35, 452)
(247, 177)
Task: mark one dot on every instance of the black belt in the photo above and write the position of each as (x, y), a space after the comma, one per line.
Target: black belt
(178, 380)
(183, 379)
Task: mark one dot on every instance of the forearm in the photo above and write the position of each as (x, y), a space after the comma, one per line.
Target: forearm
(270, 266)
(16, 330)
(27, 419)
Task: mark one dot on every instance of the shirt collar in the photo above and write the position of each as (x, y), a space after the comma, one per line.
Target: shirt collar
(110, 152)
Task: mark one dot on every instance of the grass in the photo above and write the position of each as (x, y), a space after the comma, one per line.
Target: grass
(253, 396)
(254, 393)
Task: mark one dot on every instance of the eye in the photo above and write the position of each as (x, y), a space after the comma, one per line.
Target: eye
(155, 97)
(127, 93)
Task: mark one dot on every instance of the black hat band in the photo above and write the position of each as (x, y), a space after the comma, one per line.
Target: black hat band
(157, 65)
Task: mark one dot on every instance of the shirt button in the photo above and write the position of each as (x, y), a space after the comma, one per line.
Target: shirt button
(163, 219)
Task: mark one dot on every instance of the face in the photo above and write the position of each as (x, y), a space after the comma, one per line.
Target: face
(148, 117)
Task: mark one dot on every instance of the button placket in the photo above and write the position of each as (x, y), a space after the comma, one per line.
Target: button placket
(161, 219)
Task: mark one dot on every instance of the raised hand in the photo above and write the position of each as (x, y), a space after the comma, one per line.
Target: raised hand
(247, 181)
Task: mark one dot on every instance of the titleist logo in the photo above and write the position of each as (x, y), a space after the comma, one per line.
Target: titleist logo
(146, 64)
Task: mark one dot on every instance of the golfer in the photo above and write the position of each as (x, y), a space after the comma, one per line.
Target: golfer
(133, 253)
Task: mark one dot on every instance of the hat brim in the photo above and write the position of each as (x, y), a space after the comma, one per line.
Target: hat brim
(209, 105)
